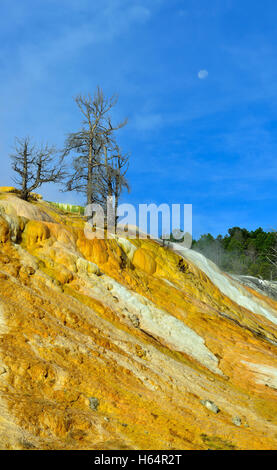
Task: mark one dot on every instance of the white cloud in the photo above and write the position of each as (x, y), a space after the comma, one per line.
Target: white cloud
(147, 121)
(202, 74)
(139, 13)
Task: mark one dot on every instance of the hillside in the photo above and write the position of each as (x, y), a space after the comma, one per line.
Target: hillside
(125, 344)
(244, 252)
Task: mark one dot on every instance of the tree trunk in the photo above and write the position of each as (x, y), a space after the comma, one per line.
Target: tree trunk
(90, 168)
(116, 197)
(109, 177)
(24, 191)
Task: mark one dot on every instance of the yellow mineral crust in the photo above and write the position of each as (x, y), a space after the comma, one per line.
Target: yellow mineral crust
(124, 344)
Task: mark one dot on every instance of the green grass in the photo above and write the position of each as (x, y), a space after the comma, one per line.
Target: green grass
(72, 208)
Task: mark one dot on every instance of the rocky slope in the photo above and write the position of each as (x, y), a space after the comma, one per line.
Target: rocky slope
(263, 286)
(116, 344)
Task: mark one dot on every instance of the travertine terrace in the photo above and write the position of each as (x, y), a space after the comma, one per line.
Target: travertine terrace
(125, 344)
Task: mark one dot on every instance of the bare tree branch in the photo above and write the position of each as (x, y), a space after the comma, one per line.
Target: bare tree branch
(94, 150)
(34, 165)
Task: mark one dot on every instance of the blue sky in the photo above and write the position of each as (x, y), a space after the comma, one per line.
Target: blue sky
(197, 80)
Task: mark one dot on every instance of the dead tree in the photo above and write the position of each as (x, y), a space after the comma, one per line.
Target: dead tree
(120, 170)
(112, 177)
(272, 259)
(87, 146)
(34, 166)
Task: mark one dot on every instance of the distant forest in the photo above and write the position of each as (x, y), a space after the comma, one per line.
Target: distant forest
(242, 252)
